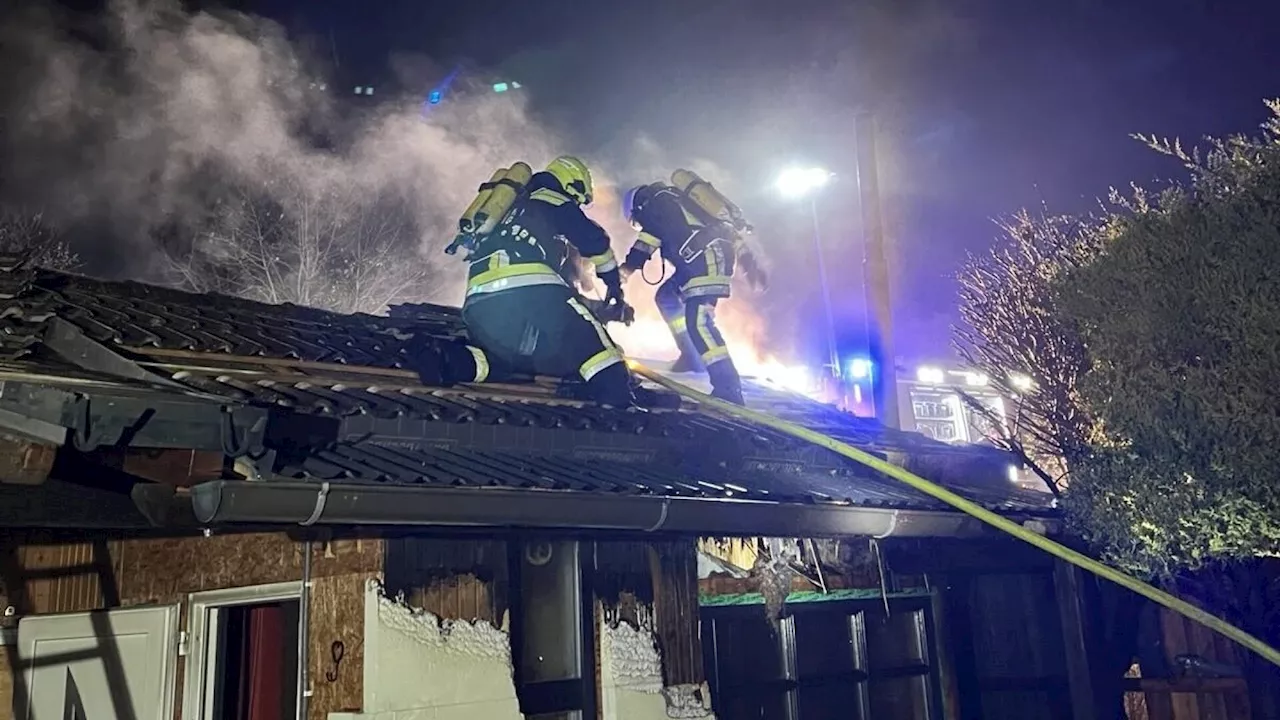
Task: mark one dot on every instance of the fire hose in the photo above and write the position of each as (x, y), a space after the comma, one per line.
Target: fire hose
(975, 510)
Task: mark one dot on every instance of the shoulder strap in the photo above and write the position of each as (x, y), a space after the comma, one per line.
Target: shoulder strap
(692, 207)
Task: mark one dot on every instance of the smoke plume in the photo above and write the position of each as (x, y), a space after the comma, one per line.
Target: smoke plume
(137, 122)
(142, 122)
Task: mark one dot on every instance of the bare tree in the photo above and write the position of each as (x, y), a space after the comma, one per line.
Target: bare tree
(28, 235)
(1014, 332)
(328, 247)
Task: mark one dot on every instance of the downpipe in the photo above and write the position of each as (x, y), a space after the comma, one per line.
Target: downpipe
(304, 635)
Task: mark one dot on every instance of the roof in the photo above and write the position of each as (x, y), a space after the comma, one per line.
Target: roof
(313, 397)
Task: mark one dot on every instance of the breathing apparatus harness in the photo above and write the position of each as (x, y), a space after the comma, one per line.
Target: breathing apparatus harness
(697, 243)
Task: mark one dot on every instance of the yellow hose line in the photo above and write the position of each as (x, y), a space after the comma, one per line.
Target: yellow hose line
(969, 507)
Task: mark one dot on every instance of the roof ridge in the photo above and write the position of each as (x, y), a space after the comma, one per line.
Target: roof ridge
(17, 273)
(49, 280)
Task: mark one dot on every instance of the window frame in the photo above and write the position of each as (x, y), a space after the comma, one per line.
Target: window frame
(856, 612)
(199, 674)
(549, 697)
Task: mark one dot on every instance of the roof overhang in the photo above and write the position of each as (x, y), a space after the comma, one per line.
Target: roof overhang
(313, 503)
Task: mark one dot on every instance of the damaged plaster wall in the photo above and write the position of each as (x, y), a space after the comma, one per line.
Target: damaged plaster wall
(631, 678)
(417, 666)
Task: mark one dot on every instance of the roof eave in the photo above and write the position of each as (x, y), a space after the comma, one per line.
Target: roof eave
(307, 503)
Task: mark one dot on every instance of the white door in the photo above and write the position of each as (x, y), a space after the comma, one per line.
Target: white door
(110, 665)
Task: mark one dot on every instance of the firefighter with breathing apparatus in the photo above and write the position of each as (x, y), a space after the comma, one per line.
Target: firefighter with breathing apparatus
(521, 313)
(702, 234)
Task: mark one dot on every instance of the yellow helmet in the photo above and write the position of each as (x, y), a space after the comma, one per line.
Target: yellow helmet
(574, 177)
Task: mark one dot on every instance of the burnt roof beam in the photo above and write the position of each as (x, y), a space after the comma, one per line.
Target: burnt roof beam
(72, 345)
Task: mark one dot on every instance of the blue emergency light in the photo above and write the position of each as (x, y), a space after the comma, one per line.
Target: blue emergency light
(859, 368)
(434, 97)
(501, 87)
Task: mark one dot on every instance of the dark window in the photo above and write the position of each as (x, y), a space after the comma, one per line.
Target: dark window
(255, 661)
(552, 630)
(842, 659)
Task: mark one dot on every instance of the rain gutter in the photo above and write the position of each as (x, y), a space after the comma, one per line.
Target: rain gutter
(312, 503)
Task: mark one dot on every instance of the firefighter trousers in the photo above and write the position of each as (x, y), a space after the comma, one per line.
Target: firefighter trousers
(692, 322)
(538, 330)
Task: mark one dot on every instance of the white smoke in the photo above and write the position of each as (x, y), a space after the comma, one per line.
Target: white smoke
(141, 121)
(140, 125)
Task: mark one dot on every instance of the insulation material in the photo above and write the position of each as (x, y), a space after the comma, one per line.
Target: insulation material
(688, 701)
(629, 656)
(414, 661)
(631, 678)
(709, 565)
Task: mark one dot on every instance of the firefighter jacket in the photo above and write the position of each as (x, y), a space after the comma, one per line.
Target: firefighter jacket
(530, 246)
(703, 255)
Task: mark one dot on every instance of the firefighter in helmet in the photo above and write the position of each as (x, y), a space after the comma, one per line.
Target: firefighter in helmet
(521, 313)
(703, 244)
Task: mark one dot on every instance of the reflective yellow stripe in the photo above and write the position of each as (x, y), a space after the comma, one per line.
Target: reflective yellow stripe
(715, 355)
(498, 259)
(600, 331)
(680, 324)
(598, 362)
(650, 240)
(713, 261)
(705, 280)
(549, 196)
(704, 332)
(707, 285)
(482, 364)
(605, 261)
(512, 276)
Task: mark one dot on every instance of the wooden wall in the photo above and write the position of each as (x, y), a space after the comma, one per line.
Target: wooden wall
(1175, 699)
(6, 680)
(45, 572)
(452, 578)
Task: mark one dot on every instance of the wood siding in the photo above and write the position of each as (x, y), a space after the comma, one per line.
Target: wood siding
(45, 572)
(674, 571)
(1212, 699)
(454, 579)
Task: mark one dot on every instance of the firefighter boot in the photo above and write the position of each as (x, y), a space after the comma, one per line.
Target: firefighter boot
(424, 356)
(652, 399)
(612, 387)
(443, 363)
(725, 383)
(687, 362)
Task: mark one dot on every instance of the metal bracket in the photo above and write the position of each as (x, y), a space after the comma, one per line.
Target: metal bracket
(235, 444)
(86, 435)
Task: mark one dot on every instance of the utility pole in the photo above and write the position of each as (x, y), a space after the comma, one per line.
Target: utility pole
(879, 298)
(834, 354)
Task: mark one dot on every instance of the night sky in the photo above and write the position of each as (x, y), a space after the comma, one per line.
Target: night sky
(987, 106)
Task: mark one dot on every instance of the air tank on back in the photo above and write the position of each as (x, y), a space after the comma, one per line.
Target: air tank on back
(492, 202)
(709, 199)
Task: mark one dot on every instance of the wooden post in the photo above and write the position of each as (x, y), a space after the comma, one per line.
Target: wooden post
(674, 570)
(884, 375)
(1066, 585)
